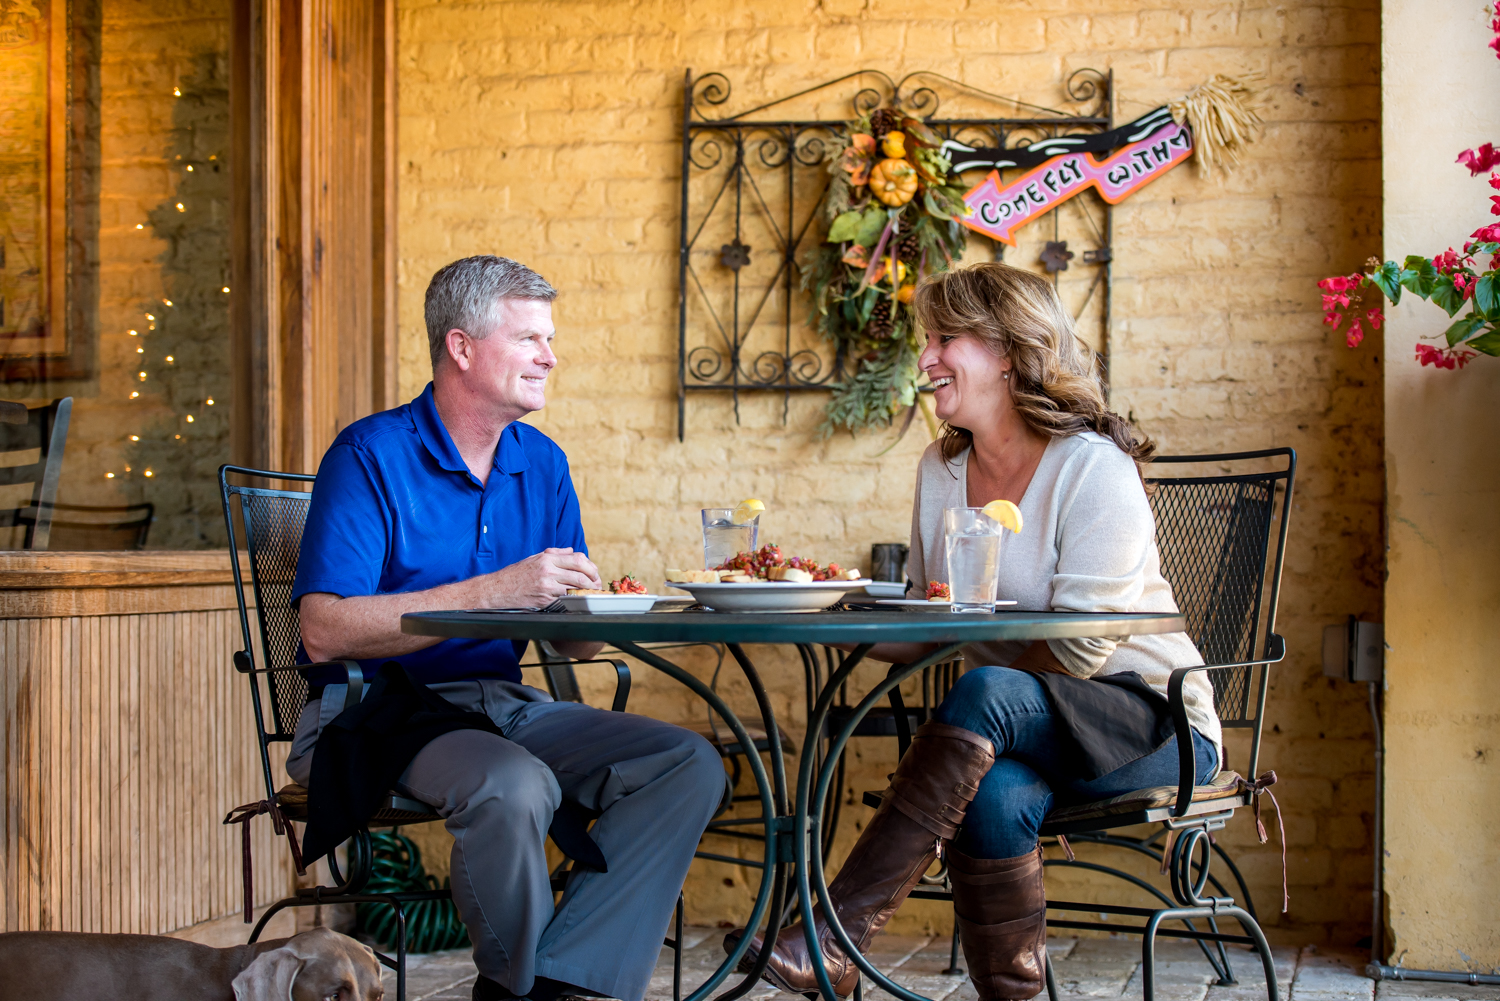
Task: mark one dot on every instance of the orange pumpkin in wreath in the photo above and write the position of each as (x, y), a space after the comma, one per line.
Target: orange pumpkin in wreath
(893, 181)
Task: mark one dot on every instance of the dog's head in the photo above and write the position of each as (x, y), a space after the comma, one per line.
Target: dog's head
(318, 965)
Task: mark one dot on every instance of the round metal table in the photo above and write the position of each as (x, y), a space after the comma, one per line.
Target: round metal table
(789, 826)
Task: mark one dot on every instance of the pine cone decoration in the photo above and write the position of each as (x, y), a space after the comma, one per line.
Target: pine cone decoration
(909, 247)
(883, 121)
(879, 325)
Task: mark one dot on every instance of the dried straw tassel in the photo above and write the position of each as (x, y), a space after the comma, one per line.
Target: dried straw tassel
(1222, 121)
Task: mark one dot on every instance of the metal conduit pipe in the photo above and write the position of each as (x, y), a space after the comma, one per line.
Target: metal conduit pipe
(1379, 971)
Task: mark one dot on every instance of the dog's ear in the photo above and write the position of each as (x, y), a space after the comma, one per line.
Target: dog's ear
(270, 977)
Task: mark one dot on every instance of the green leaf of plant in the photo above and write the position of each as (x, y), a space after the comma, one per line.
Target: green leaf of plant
(872, 223)
(1418, 274)
(1463, 329)
(1387, 278)
(845, 227)
(1487, 295)
(1488, 343)
(1446, 296)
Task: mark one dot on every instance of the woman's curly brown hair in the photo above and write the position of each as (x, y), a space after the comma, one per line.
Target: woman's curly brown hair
(1056, 379)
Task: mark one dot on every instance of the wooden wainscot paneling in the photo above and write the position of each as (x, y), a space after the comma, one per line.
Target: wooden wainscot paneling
(126, 736)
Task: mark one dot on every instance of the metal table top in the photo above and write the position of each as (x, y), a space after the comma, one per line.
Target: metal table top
(772, 627)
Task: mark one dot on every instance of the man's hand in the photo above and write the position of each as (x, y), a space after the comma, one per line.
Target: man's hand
(536, 581)
(369, 626)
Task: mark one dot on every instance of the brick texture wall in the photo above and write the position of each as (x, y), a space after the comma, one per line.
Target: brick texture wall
(548, 132)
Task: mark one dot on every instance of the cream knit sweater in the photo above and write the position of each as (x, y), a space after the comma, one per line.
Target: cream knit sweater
(1088, 544)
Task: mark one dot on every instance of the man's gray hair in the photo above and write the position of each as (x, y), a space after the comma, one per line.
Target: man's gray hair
(464, 295)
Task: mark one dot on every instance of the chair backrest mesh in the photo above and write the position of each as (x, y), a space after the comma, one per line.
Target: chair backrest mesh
(1214, 534)
(273, 522)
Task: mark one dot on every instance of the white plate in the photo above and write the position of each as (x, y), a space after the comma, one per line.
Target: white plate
(885, 589)
(933, 605)
(608, 603)
(771, 596)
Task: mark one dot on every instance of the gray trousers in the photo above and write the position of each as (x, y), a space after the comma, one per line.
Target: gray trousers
(654, 785)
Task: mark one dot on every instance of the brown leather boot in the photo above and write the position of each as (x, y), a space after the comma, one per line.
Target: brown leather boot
(1002, 922)
(926, 801)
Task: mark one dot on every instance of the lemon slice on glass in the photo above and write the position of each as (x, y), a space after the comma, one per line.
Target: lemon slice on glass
(1005, 513)
(747, 511)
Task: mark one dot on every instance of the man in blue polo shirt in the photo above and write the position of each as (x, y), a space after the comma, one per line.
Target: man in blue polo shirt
(451, 502)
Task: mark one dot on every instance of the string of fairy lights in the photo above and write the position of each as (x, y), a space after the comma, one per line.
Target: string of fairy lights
(142, 375)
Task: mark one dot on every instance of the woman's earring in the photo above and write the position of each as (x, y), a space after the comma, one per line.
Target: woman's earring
(1007, 375)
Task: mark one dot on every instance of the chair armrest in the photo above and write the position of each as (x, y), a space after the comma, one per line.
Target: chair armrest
(1187, 773)
(622, 672)
(354, 675)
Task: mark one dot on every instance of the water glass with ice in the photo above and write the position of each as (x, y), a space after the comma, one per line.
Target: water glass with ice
(723, 539)
(972, 542)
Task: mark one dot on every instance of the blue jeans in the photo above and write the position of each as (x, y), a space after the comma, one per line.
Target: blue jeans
(1031, 769)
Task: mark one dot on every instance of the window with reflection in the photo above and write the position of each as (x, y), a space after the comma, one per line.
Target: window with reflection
(115, 262)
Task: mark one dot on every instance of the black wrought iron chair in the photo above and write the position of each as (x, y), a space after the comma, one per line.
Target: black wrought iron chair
(1215, 535)
(271, 522)
(44, 429)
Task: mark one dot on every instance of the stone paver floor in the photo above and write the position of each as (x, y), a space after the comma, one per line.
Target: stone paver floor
(1085, 968)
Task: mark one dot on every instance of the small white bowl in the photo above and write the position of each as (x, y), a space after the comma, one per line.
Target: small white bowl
(617, 604)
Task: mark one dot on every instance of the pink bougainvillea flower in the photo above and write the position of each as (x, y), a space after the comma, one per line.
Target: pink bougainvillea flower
(1495, 179)
(1354, 335)
(1376, 317)
(1332, 318)
(1481, 159)
(1448, 358)
(1487, 234)
(1341, 299)
(1446, 261)
(1494, 204)
(1338, 283)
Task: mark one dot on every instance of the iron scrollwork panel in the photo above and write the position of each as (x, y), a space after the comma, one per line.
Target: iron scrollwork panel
(753, 187)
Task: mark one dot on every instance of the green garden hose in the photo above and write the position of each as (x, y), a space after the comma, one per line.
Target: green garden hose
(395, 867)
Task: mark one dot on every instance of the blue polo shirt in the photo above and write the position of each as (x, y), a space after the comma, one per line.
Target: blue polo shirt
(395, 509)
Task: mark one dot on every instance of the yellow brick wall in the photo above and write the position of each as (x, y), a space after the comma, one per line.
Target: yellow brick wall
(548, 132)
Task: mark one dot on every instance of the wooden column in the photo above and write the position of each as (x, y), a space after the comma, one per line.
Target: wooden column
(313, 161)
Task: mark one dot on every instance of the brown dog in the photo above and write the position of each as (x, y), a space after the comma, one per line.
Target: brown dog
(319, 965)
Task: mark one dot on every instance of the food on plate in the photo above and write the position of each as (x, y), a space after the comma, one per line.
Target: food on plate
(747, 511)
(938, 591)
(625, 585)
(692, 576)
(1005, 513)
(768, 564)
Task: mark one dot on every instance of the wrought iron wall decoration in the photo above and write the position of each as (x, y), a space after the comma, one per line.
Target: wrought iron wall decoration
(753, 186)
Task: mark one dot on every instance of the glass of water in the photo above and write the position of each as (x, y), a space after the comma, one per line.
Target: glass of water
(723, 539)
(972, 541)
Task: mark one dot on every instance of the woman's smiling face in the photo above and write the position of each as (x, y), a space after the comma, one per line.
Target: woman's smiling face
(968, 376)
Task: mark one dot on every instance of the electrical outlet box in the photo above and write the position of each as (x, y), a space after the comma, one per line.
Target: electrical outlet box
(1354, 651)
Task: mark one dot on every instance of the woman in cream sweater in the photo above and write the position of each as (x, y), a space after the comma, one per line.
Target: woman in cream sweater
(1028, 726)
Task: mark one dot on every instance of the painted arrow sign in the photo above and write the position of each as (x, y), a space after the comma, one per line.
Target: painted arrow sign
(998, 211)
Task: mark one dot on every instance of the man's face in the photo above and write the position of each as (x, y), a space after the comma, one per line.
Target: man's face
(509, 368)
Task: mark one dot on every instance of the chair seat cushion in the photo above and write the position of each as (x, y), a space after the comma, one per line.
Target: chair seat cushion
(1226, 785)
(395, 810)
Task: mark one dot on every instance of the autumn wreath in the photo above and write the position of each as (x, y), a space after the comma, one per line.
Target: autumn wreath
(892, 210)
